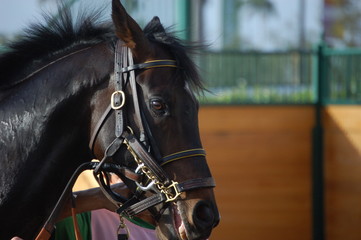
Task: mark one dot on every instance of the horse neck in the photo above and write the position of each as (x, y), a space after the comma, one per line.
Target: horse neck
(45, 128)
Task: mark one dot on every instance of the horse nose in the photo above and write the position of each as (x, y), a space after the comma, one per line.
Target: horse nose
(203, 216)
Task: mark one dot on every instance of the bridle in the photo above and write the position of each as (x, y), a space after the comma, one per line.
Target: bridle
(149, 168)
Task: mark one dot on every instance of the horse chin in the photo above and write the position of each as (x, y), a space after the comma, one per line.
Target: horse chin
(167, 224)
(173, 225)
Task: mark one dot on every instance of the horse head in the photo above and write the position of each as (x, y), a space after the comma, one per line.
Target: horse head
(153, 127)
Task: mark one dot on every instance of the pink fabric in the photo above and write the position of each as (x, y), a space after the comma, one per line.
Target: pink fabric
(104, 225)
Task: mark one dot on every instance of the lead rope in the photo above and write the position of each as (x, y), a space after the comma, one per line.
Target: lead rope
(48, 227)
(75, 219)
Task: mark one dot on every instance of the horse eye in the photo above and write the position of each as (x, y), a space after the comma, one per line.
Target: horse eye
(157, 105)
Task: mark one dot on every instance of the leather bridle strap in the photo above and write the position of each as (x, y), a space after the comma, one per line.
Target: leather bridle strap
(118, 97)
(133, 86)
(196, 152)
(150, 64)
(99, 126)
(196, 183)
(138, 151)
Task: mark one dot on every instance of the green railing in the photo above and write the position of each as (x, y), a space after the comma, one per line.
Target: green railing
(234, 77)
(342, 76)
(281, 77)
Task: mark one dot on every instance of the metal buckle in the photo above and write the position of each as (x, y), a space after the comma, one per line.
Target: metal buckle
(112, 100)
(171, 192)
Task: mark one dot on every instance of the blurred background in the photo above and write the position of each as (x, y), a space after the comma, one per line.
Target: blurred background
(282, 120)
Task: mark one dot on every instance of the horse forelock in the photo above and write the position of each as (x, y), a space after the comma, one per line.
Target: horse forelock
(180, 50)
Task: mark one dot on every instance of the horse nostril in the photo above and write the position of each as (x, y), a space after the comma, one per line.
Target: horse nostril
(203, 216)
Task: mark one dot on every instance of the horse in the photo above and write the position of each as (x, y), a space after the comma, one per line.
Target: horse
(71, 92)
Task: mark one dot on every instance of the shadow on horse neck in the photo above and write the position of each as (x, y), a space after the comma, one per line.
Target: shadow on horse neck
(55, 85)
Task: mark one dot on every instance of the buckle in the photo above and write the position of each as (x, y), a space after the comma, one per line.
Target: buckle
(116, 104)
(171, 192)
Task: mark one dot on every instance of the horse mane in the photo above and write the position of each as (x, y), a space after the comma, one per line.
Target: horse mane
(58, 36)
(42, 42)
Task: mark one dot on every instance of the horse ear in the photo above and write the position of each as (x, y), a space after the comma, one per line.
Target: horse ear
(128, 30)
(156, 25)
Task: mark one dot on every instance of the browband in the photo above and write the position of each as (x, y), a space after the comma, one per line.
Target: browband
(150, 64)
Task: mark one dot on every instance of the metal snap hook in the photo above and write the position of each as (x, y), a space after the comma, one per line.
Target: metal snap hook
(150, 186)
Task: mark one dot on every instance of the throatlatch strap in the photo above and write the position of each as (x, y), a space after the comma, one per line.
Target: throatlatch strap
(99, 126)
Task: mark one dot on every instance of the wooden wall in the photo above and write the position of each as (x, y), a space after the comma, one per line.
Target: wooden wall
(260, 157)
(343, 172)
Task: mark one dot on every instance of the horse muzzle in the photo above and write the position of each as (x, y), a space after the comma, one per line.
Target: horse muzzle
(192, 219)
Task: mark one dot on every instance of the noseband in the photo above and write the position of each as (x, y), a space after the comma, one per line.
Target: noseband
(149, 174)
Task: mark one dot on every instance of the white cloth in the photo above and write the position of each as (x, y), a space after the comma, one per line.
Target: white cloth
(104, 225)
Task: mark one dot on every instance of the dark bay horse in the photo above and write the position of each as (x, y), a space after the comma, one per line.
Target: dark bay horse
(56, 85)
